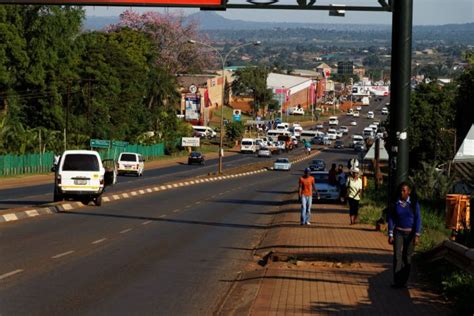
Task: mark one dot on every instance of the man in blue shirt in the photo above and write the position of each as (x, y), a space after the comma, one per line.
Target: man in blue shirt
(404, 227)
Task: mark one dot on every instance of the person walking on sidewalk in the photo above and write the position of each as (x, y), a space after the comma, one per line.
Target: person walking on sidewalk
(404, 227)
(305, 192)
(341, 181)
(354, 191)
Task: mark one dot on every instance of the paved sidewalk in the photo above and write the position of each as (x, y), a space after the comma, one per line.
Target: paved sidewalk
(347, 270)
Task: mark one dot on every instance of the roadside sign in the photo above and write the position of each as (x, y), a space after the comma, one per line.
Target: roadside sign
(236, 114)
(190, 142)
(177, 3)
(99, 143)
(118, 143)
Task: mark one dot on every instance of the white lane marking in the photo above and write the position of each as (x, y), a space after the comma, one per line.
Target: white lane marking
(116, 197)
(125, 231)
(149, 190)
(198, 202)
(134, 193)
(222, 193)
(146, 223)
(176, 210)
(192, 182)
(156, 189)
(10, 217)
(98, 241)
(161, 216)
(162, 187)
(125, 195)
(169, 186)
(141, 191)
(186, 183)
(106, 199)
(188, 206)
(175, 185)
(32, 213)
(67, 207)
(59, 255)
(9, 274)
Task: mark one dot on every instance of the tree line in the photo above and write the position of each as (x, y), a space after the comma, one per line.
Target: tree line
(59, 84)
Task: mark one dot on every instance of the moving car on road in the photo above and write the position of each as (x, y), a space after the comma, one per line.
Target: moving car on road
(196, 157)
(80, 174)
(370, 115)
(356, 114)
(130, 163)
(358, 108)
(317, 165)
(332, 134)
(204, 132)
(282, 164)
(248, 145)
(344, 130)
(333, 121)
(353, 123)
(384, 111)
(339, 144)
(359, 146)
(326, 191)
(264, 152)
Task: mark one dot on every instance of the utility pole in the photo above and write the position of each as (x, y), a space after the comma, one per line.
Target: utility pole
(402, 23)
(67, 114)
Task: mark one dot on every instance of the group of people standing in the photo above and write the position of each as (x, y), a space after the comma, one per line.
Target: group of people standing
(404, 216)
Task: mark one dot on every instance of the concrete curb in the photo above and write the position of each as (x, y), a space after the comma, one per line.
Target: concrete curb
(46, 209)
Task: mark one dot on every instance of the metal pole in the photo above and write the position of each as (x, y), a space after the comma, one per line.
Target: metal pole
(402, 22)
(221, 142)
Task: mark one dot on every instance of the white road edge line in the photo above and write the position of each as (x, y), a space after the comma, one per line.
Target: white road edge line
(9, 274)
(98, 241)
(59, 255)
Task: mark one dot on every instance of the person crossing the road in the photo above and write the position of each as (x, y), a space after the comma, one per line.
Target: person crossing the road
(306, 185)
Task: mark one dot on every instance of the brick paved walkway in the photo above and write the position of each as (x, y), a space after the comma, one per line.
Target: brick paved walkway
(349, 272)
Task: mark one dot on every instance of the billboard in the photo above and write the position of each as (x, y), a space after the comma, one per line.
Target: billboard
(171, 3)
(192, 107)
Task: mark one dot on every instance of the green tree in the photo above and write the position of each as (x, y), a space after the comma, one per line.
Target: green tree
(235, 130)
(252, 81)
(464, 101)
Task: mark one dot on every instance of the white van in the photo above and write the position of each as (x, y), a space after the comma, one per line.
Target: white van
(309, 135)
(248, 145)
(283, 126)
(333, 121)
(332, 134)
(80, 174)
(204, 131)
(130, 163)
(356, 139)
(368, 132)
(274, 133)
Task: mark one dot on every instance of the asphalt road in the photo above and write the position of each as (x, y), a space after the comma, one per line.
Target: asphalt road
(39, 194)
(174, 252)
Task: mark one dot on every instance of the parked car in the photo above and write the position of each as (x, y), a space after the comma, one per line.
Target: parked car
(264, 152)
(282, 164)
(80, 174)
(326, 191)
(130, 163)
(196, 157)
(339, 144)
(359, 146)
(317, 165)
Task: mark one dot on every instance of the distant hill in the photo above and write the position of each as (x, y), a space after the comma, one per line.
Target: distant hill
(209, 21)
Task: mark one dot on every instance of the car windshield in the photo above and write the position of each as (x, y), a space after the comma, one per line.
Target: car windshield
(282, 160)
(247, 143)
(321, 177)
(195, 154)
(338, 142)
(128, 157)
(81, 162)
(318, 162)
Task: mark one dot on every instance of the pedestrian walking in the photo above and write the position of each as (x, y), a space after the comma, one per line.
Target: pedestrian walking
(341, 180)
(354, 191)
(332, 175)
(404, 228)
(305, 192)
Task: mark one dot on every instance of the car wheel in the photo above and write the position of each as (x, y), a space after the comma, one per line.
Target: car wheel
(98, 200)
(57, 197)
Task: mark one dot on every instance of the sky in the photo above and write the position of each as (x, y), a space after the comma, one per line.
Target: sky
(426, 12)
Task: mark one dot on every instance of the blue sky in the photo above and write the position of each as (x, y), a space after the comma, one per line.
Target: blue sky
(426, 12)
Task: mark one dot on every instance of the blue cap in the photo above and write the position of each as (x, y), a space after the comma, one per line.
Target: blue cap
(307, 170)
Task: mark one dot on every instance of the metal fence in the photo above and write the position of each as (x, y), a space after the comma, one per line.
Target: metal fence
(11, 165)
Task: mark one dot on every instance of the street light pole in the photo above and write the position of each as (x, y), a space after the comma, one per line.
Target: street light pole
(223, 60)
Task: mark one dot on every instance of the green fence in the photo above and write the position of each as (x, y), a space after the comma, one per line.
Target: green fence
(11, 165)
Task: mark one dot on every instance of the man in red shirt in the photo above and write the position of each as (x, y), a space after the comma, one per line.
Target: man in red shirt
(305, 192)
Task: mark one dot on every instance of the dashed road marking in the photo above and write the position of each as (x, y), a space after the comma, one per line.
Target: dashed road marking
(198, 202)
(98, 241)
(116, 197)
(141, 191)
(125, 195)
(59, 255)
(176, 210)
(67, 207)
(161, 216)
(106, 199)
(125, 231)
(9, 274)
(32, 213)
(146, 223)
(133, 193)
